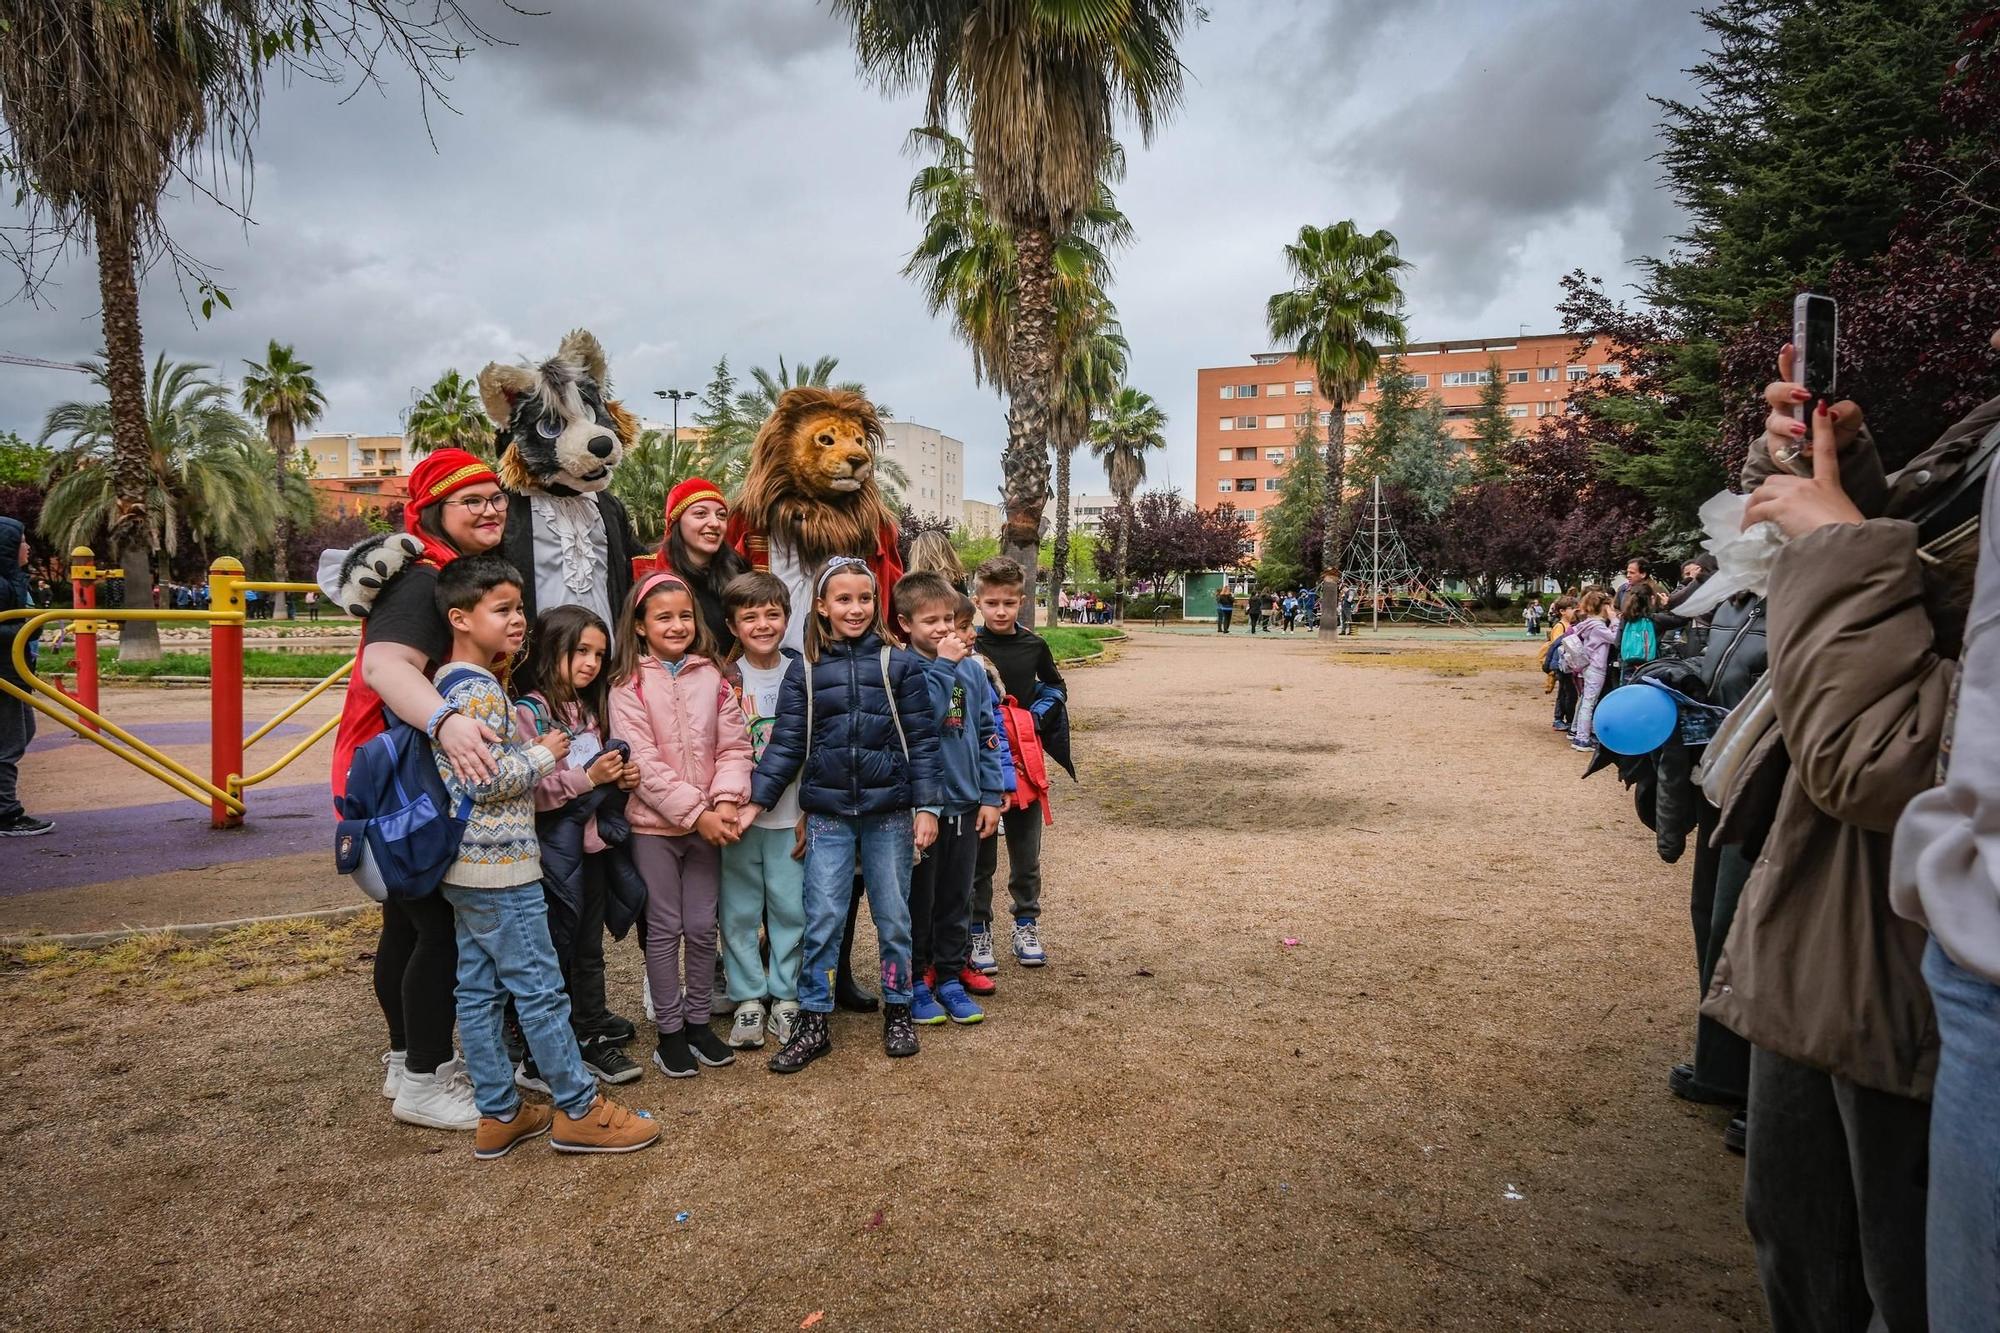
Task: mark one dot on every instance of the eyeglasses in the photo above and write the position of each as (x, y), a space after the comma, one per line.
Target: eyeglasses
(474, 505)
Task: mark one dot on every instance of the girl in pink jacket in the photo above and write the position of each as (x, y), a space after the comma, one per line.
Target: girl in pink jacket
(689, 740)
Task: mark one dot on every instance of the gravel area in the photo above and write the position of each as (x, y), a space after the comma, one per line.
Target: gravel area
(1359, 1016)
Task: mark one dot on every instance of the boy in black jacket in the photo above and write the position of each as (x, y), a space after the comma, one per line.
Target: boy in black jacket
(17, 720)
(1028, 670)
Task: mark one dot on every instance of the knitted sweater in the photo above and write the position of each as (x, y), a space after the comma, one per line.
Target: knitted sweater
(499, 850)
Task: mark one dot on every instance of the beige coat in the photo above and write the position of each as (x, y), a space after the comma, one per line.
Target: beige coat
(1818, 967)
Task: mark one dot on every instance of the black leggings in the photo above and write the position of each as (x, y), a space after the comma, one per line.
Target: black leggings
(416, 973)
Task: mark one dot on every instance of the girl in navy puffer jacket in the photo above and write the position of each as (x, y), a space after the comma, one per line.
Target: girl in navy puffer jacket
(864, 747)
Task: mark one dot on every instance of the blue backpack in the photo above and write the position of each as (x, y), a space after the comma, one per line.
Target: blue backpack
(398, 832)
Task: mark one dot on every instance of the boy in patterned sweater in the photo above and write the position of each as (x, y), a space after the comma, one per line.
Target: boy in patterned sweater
(495, 892)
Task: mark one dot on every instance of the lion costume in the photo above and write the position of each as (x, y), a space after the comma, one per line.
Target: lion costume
(811, 493)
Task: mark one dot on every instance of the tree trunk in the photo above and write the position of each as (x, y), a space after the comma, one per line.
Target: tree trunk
(1336, 481)
(1124, 540)
(131, 442)
(1059, 561)
(1024, 464)
(280, 432)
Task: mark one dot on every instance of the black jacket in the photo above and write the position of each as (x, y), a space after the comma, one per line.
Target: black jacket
(15, 595)
(517, 548)
(561, 834)
(853, 762)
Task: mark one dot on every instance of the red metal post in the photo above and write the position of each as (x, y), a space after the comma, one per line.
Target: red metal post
(225, 684)
(83, 596)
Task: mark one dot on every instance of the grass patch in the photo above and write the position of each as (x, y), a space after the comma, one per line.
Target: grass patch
(1075, 642)
(265, 956)
(257, 663)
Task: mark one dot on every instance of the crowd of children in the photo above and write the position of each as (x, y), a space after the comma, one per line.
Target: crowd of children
(1598, 637)
(722, 805)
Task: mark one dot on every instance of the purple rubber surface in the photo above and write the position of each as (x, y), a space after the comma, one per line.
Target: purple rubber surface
(91, 846)
(50, 736)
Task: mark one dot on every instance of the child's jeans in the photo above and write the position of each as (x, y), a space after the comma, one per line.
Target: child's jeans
(1963, 1227)
(881, 843)
(761, 883)
(1023, 831)
(503, 950)
(941, 897)
(682, 875)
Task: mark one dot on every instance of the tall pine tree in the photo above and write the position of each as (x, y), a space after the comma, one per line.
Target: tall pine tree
(1492, 429)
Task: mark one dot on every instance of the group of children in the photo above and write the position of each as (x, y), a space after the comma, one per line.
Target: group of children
(739, 796)
(1594, 641)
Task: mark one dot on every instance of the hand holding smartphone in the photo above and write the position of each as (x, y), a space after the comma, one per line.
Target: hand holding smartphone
(1815, 368)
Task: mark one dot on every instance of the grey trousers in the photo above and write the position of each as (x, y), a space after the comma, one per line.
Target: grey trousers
(1834, 1189)
(1023, 831)
(17, 728)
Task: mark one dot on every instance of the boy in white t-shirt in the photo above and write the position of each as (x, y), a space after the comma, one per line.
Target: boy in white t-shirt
(763, 876)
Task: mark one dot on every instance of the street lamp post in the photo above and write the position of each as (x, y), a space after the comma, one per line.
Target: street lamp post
(676, 396)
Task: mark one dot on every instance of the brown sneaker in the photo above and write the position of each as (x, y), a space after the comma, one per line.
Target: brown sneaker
(496, 1138)
(605, 1127)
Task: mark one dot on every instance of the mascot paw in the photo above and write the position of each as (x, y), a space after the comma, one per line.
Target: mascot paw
(354, 577)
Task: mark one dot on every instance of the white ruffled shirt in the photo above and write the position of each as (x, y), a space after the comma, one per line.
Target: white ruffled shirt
(571, 553)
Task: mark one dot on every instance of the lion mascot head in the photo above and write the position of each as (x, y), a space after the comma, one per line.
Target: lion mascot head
(558, 428)
(812, 475)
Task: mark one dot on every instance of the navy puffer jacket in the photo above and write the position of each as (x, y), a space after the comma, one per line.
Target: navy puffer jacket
(856, 764)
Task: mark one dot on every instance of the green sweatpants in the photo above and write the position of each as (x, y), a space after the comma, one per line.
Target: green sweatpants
(762, 885)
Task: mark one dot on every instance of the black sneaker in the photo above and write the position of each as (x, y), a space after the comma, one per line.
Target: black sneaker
(809, 1042)
(899, 1034)
(1681, 1083)
(608, 1063)
(707, 1047)
(513, 1041)
(1736, 1134)
(614, 1028)
(850, 997)
(671, 1057)
(24, 825)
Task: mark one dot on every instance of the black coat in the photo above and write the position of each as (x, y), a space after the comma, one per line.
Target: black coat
(855, 763)
(561, 833)
(517, 548)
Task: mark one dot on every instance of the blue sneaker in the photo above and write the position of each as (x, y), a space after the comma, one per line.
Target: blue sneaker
(959, 1006)
(1028, 943)
(924, 1007)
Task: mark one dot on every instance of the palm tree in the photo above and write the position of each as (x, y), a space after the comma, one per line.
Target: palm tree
(656, 464)
(1039, 83)
(450, 416)
(1131, 425)
(1091, 368)
(207, 470)
(759, 401)
(284, 393)
(1345, 302)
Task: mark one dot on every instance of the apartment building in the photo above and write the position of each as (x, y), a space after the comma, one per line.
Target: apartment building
(357, 455)
(935, 463)
(1249, 414)
(1086, 512)
(982, 518)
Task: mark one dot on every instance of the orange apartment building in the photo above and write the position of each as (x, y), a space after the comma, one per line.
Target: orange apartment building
(1249, 414)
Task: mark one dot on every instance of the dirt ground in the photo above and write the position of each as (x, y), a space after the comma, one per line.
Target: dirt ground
(1443, 1107)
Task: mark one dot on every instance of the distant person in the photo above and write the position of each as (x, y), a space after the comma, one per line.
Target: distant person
(1253, 606)
(17, 720)
(1532, 617)
(1562, 617)
(1291, 610)
(312, 606)
(930, 553)
(1596, 638)
(1638, 638)
(1225, 608)
(1350, 600)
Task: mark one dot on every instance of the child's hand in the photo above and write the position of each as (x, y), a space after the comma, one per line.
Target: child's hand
(952, 648)
(557, 743)
(926, 829)
(799, 840)
(714, 829)
(746, 815)
(727, 809)
(607, 767)
(987, 823)
(628, 776)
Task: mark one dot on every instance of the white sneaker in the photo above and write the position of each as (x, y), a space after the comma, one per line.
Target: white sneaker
(646, 989)
(438, 1100)
(784, 1020)
(981, 957)
(393, 1063)
(748, 1030)
(1028, 944)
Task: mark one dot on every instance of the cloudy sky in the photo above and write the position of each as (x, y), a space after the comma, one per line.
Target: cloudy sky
(699, 178)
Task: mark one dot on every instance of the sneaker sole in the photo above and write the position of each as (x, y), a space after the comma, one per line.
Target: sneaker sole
(430, 1122)
(967, 1022)
(1030, 962)
(793, 1069)
(899, 1055)
(712, 1064)
(746, 1044)
(26, 832)
(493, 1153)
(661, 1065)
(623, 1076)
(928, 1022)
(560, 1146)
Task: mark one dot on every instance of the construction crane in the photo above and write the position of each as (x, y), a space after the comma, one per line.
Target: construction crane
(41, 363)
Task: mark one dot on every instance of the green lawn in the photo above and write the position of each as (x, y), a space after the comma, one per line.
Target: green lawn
(256, 664)
(1071, 642)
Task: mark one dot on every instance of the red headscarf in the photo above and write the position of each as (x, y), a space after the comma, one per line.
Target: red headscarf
(439, 475)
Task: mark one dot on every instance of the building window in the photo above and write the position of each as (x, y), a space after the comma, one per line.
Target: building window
(1518, 410)
(1225, 485)
(1357, 418)
(1228, 423)
(1409, 382)
(1225, 454)
(1274, 423)
(1229, 391)
(1546, 373)
(1246, 391)
(1302, 386)
(1272, 483)
(1455, 378)
(1246, 484)
(1326, 418)
(1576, 373)
(1246, 455)
(1517, 377)
(1246, 514)
(1302, 419)
(1246, 423)
(1543, 409)
(1274, 455)
(1611, 370)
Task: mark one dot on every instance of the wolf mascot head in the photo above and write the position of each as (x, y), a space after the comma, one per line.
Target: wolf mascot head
(558, 429)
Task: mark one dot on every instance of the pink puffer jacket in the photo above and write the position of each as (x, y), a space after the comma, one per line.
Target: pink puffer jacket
(689, 739)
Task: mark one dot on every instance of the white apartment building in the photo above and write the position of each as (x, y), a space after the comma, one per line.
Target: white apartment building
(935, 463)
(1087, 512)
(357, 455)
(982, 518)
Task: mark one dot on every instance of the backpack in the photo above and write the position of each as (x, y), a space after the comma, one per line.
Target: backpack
(398, 831)
(1552, 657)
(1031, 772)
(1575, 657)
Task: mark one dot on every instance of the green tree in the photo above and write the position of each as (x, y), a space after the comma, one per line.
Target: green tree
(1407, 443)
(283, 392)
(21, 462)
(656, 463)
(1492, 428)
(1089, 372)
(208, 473)
(1345, 303)
(726, 433)
(1130, 426)
(1291, 557)
(450, 416)
(1039, 83)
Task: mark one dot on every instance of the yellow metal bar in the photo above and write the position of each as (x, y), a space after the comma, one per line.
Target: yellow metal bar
(176, 775)
(340, 673)
(277, 587)
(319, 734)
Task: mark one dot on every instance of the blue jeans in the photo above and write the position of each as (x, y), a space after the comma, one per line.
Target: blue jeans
(882, 845)
(504, 949)
(1963, 1220)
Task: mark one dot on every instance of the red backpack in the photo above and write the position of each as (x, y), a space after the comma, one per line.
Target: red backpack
(1031, 768)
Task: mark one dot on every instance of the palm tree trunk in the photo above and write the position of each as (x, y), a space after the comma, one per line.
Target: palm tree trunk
(1336, 481)
(1124, 540)
(1024, 464)
(131, 445)
(1059, 570)
(279, 430)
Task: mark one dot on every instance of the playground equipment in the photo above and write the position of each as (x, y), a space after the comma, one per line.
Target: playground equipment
(224, 788)
(1384, 578)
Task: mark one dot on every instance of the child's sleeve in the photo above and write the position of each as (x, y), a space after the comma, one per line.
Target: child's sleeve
(785, 751)
(920, 731)
(982, 717)
(1047, 676)
(561, 785)
(661, 786)
(734, 761)
(517, 767)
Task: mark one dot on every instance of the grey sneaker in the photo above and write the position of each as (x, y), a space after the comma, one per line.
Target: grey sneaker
(747, 1032)
(1028, 943)
(981, 959)
(24, 826)
(784, 1021)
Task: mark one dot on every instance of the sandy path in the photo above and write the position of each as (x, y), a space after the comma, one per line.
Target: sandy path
(1180, 1123)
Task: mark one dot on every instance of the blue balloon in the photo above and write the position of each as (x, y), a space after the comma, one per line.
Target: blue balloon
(1635, 719)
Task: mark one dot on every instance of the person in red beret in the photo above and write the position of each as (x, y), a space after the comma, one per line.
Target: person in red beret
(694, 549)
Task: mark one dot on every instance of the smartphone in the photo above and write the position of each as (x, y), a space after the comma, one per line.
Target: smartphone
(1815, 365)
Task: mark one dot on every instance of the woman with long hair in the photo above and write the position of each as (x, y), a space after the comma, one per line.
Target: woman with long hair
(694, 551)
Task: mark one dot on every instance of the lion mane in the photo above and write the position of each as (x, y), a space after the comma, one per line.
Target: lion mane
(789, 489)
